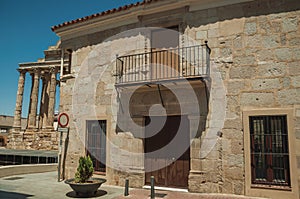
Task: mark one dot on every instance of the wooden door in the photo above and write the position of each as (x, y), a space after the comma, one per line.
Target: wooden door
(165, 54)
(96, 143)
(167, 169)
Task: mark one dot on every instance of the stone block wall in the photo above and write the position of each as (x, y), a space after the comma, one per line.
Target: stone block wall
(89, 94)
(42, 140)
(256, 51)
(255, 58)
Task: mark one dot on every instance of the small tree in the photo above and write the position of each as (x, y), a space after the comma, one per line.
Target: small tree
(85, 169)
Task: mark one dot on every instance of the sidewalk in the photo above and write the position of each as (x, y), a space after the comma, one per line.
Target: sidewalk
(145, 194)
(45, 186)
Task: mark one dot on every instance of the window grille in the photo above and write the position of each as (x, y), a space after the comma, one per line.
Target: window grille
(269, 150)
(96, 143)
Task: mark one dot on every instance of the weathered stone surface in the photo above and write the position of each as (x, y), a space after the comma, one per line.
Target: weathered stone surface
(238, 187)
(196, 165)
(289, 24)
(257, 99)
(213, 33)
(293, 68)
(235, 87)
(276, 26)
(296, 53)
(297, 133)
(270, 69)
(242, 72)
(272, 41)
(286, 82)
(265, 84)
(232, 27)
(226, 53)
(233, 133)
(245, 60)
(297, 123)
(264, 55)
(264, 25)
(289, 96)
(283, 54)
(253, 41)
(233, 124)
(283, 39)
(234, 173)
(297, 112)
(34, 99)
(19, 101)
(298, 162)
(238, 42)
(250, 28)
(237, 146)
(233, 160)
(295, 41)
(295, 81)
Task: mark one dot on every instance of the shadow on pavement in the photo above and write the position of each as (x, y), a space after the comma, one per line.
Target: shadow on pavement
(99, 193)
(10, 195)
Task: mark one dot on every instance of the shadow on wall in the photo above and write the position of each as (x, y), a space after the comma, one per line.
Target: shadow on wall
(151, 100)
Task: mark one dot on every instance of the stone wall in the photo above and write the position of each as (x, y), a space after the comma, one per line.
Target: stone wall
(92, 96)
(255, 47)
(41, 140)
(254, 59)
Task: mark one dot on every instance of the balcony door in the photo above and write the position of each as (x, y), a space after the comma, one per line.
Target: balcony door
(165, 54)
(96, 143)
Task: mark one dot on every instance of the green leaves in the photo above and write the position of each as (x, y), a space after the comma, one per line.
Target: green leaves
(85, 169)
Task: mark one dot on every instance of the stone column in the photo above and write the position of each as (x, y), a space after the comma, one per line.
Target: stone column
(51, 104)
(19, 101)
(43, 96)
(46, 100)
(34, 99)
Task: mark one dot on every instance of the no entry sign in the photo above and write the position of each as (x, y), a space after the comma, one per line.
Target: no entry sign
(63, 120)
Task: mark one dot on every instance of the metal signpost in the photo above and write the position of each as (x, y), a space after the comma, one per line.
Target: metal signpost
(63, 122)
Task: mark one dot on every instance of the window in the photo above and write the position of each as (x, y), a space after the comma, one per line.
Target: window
(96, 143)
(269, 150)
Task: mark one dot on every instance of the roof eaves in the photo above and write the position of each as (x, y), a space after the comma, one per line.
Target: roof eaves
(104, 13)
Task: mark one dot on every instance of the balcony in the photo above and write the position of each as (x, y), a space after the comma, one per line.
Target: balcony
(163, 65)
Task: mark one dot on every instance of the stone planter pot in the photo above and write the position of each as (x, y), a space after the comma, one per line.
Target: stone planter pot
(86, 189)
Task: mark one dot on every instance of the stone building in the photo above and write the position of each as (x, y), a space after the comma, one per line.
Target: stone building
(202, 95)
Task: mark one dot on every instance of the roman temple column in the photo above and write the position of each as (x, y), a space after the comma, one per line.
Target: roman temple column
(34, 99)
(52, 91)
(45, 100)
(19, 101)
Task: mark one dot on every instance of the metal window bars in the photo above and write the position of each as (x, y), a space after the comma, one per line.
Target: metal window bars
(269, 150)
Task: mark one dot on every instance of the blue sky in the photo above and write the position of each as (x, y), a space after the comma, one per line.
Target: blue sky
(26, 33)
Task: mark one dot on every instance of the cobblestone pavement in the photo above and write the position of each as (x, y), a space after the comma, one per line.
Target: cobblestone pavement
(45, 186)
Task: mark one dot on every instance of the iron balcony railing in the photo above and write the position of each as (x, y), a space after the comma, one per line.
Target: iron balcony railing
(175, 63)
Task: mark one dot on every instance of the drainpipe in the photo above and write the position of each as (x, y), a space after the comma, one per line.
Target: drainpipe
(62, 63)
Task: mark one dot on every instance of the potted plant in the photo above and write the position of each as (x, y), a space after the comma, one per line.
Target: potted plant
(83, 183)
